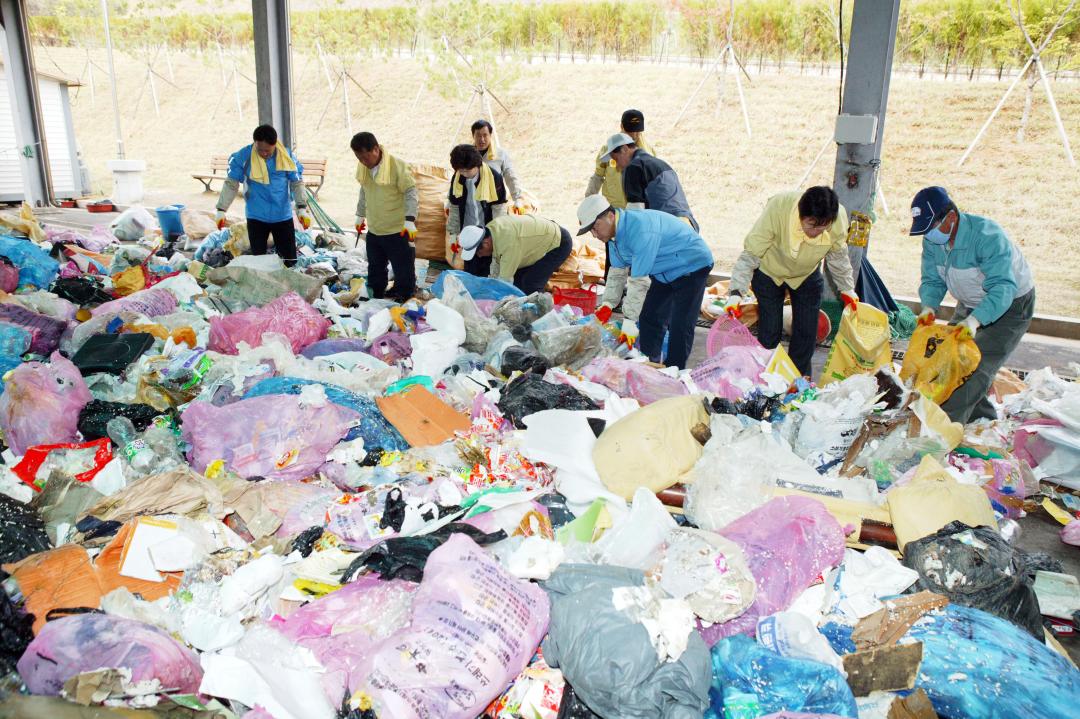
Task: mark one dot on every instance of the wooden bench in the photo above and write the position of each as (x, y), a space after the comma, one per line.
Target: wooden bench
(314, 173)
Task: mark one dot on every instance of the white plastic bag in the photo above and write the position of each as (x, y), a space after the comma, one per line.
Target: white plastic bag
(790, 634)
(133, 224)
(633, 542)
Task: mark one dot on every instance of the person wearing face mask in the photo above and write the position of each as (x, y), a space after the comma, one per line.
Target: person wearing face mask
(477, 195)
(972, 258)
(780, 258)
(662, 247)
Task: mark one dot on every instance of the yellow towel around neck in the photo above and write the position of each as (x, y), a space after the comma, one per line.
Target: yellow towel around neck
(485, 190)
(282, 161)
(387, 175)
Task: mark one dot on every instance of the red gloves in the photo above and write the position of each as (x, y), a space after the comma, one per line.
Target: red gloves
(850, 299)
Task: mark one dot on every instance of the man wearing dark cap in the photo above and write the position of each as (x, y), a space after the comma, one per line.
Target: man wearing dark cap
(972, 258)
(608, 181)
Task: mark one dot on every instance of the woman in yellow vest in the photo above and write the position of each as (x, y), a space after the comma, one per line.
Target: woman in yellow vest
(389, 201)
(781, 256)
(608, 181)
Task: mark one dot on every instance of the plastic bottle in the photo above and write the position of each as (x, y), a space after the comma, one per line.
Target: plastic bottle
(122, 432)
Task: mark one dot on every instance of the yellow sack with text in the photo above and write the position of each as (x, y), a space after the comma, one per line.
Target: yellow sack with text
(939, 361)
(861, 346)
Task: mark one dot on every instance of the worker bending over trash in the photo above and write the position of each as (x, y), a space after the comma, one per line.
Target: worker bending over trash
(524, 249)
(673, 254)
(972, 258)
(498, 159)
(477, 196)
(781, 256)
(608, 181)
(273, 182)
(388, 199)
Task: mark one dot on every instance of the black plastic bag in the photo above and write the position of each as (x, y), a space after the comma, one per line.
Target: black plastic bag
(22, 531)
(406, 557)
(525, 359)
(976, 567)
(529, 394)
(16, 631)
(572, 707)
(111, 353)
(81, 290)
(305, 541)
(97, 413)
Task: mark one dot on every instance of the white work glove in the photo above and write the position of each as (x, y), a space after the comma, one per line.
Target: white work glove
(731, 306)
(635, 205)
(360, 225)
(219, 219)
(519, 207)
(927, 317)
(410, 230)
(967, 327)
(305, 217)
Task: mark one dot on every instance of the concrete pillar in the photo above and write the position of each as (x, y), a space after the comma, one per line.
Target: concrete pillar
(273, 67)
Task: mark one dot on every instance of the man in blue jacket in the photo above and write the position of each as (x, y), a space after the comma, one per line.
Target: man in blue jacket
(661, 246)
(273, 181)
(972, 258)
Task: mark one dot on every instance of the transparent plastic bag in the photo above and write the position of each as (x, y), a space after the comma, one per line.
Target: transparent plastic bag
(744, 669)
(275, 436)
(632, 379)
(479, 329)
(41, 404)
(81, 643)
(573, 346)
(151, 302)
(523, 311)
(732, 372)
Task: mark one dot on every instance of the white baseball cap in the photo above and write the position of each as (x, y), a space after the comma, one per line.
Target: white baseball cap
(470, 239)
(615, 142)
(589, 210)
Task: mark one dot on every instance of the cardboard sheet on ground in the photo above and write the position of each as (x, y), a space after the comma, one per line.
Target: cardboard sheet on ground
(422, 418)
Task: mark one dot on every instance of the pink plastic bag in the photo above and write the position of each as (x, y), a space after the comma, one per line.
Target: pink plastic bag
(474, 628)
(274, 436)
(41, 404)
(151, 302)
(632, 379)
(86, 642)
(728, 332)
(788, 542)
(288, 315)
(9, 277)
(342, 627)
(1070, 533)
(732, 370)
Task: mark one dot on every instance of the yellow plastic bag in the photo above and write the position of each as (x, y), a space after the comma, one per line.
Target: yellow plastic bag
(932, 499)
(24, 222)
(129, 281)
(861, 345)
(939, 361)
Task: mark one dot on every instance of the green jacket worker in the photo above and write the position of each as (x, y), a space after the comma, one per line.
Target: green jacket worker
(972, 258)
(386, 211)
(497, 159)
(781, 256)
(273, 181)
(524, 249)
(660, 246)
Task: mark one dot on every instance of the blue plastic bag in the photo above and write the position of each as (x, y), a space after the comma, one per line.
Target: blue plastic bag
(36, 268)
(15, 339)
(976, 665)
(213, 241)
(8, 363)
(376, 431)
(481, 288)
(749, 675)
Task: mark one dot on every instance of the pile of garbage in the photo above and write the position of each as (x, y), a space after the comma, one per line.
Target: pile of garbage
(232, 489)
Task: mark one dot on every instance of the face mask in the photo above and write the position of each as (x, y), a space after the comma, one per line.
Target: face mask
(935, 236)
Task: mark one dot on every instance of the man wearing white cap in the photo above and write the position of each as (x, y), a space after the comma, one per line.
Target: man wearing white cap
(524, 249)
(657, 245)
(649, 182)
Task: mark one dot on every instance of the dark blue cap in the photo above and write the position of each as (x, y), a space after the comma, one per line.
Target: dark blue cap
(929, 207)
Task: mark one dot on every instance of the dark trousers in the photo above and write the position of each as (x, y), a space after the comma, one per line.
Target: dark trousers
(534, 277)
(479, 266)
(672, 307)
(395, 250)
(996, 341)
(805, 305)
(284, 239)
